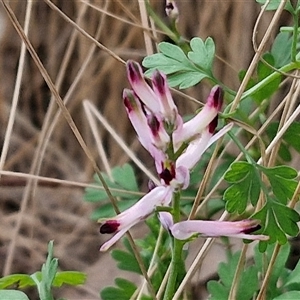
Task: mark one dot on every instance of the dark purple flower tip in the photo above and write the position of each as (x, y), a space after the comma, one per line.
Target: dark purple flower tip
(110, 226)
(154, 124)
(159, 81)
(170, 6)
(213, 125)
(217, 97)
(168, 174)
(134, 71)
(129, 100)
(250, 230)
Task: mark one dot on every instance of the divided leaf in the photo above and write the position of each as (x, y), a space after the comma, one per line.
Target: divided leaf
(282, 181)
(183, 70)
(202, 53)
(123, 291)
(248, 283)
(277, 220)
(245, 187)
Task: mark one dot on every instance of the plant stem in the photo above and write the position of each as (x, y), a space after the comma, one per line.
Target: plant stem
(177, 270)
(287, 68)
(295, 36)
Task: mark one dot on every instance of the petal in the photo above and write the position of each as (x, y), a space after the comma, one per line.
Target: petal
(140, 86)
(165, 219)
(159, 136)
(168, 108)
(241, 229)
(194, 151)
(196, 148)
(137, 118)
(149, 129)
(159, 196)
(112, 241)
(191, 129)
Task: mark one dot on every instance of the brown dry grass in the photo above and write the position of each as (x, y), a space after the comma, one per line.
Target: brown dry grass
(32, 214)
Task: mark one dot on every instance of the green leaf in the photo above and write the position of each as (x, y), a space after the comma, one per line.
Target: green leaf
(245, 187)
(12, 295)
(282, 181)
(171, 59)
(217, 291)
(123, 180)
(277, 220)
(262, 261)
(291, 295)
(124, 176)
(202, 53)
(281, 49)
(18, 280)
(173, 51)
(123, 291)
(274, 4)
(48, 272)
(294, 276)
(292, 136)
(69, 277)
(126, 261)
(186, 79)
(248, 283)
(181, 70)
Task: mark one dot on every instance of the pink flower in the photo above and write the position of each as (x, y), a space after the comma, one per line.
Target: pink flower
(193, 128)
(186, 229)
(198, 146)
(149, 128)
(159, 196)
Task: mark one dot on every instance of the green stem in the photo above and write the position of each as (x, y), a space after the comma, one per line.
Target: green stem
(295, 36)
(177, 270)
(287, 68)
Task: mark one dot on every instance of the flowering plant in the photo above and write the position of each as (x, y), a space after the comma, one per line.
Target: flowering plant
(176, 147)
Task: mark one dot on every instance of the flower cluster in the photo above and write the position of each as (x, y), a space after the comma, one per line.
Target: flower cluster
(176, 147)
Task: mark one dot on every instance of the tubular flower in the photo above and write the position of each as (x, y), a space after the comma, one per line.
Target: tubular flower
(159, 196)
(194, 127)
(197, 147)
(186, 229)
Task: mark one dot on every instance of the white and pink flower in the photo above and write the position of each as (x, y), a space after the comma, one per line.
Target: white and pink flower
(159, 127)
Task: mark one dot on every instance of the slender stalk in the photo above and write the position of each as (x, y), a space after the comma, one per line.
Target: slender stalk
(238, 273)
(177, 269)
(295, 35)
(264, 285)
